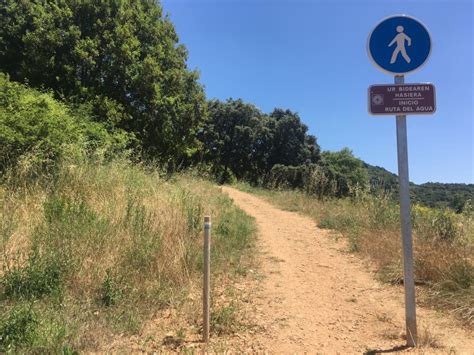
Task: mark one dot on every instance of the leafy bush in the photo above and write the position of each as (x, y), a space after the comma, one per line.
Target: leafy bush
(30, 328)
(32, 122)
(38, 278)
(346, 170)
(338, 174)
(18, 328)
(290, 176)
(436, 223)
(110, 292)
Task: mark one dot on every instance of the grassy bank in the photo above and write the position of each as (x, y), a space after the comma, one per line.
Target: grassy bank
(443, 242)
(97, 250)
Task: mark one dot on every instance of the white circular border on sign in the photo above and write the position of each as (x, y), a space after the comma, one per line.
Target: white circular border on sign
(385, 71)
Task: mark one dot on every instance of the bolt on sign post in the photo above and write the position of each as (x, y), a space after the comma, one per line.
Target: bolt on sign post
(206, 278)
(399, 45)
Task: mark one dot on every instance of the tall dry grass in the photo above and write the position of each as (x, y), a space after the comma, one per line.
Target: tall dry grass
(94, 250)
(443, 242)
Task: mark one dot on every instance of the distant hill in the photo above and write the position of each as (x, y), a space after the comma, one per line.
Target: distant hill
(434, 194)
(381, 178)
(431, 194)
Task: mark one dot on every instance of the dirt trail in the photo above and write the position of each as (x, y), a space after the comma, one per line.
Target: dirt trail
(315, 298)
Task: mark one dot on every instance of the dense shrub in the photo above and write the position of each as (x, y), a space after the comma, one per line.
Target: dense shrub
(18, 329)
(40, 277)
(34, 123)
(338, 174)
(290, 176)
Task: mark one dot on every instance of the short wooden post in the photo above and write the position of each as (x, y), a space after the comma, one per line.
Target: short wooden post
(206, 277)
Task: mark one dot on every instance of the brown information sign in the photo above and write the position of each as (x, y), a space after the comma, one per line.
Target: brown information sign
(402, 99)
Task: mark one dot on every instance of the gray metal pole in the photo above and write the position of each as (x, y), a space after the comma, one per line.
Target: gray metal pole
(206, 278)
(409, 282)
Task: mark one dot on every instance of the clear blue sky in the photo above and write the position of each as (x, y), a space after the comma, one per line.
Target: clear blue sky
(310, 57)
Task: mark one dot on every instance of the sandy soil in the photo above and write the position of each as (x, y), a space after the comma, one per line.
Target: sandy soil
(316, 298)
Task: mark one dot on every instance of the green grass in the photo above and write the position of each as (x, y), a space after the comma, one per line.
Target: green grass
(96, 250)
(18, 329)
(26, 327)
(224, 320)
(443, 242)
(40, 276)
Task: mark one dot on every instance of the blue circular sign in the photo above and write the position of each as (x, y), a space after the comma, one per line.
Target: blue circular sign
(399, 45)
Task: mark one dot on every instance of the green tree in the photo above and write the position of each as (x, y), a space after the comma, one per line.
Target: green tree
(229, 138)
(345, 171)
(121, 56)
(292, 145)
(240, 140)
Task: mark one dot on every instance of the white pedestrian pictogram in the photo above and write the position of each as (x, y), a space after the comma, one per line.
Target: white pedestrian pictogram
(400, 38)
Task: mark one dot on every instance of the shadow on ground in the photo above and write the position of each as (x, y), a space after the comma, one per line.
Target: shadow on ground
(395, 349)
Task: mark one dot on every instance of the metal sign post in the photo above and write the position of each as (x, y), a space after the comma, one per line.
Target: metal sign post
(399, 45)
(404, 190)
(206, 278)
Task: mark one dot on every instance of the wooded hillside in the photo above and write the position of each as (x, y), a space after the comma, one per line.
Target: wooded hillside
(118, 70)
(430, 194)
